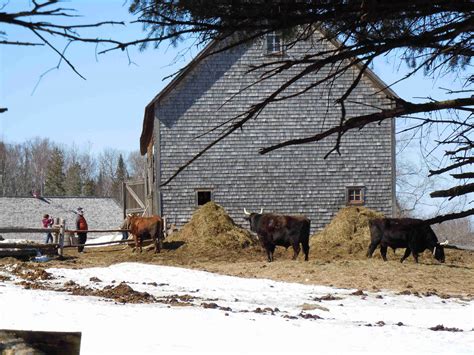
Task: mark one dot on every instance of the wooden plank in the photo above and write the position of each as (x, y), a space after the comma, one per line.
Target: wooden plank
(135, 196)
(27, 245)
(28, 230)
(135, 210)
(62, 222)
(48, 342)
(126, 241)
(124, 199)
(96, 230)
(134, 182)
(18, 252)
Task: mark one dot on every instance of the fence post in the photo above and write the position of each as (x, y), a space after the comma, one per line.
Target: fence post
(124, 199)
(62, 229)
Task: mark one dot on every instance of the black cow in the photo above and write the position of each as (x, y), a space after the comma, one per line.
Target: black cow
(274, 229)
(413, 234)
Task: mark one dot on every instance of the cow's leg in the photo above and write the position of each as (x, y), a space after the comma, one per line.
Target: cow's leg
(305, 246)
(270, 250)
(373, 245)
(296, 250)
(158, 245)
(383, 251)
(135, 241)
(372, 248)
(158, 238)
(415, 256)
(406, 255)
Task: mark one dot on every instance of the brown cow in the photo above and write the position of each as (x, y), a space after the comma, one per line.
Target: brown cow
(145, 227)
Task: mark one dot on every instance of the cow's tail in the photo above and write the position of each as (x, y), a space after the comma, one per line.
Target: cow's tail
(305, 238)
(307, 228)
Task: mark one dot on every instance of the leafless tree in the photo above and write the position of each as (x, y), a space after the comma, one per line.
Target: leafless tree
(48, 21)
(40, 150)
(108, 162)
(458, 232)
(136, 165)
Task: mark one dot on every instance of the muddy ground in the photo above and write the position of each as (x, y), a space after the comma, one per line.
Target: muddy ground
(454, 278)
(211, 241)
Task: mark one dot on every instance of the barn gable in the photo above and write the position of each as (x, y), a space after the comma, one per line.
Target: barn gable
(294, 180)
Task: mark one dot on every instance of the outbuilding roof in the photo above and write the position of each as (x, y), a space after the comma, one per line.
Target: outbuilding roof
(27, 212)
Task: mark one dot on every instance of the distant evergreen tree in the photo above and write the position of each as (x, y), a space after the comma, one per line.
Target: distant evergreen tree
(121, 173)
(54, 184)
(99, 186)
(120, 176)
(89, 188)
(73, 181)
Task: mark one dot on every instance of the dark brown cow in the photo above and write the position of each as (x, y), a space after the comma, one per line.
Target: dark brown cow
(145, 227)
(273, 229)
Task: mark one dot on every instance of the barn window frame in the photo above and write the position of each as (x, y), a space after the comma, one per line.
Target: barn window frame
(355, 195)
(200, 196)
(274, 43)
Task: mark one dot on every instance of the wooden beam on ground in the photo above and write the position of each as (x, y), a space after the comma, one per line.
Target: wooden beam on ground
(96, 230)
(17, 252)
(126, 241)
(43, 342)
(27, 245)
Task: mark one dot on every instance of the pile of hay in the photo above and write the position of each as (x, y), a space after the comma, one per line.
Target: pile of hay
(346, 237)
(211, 229)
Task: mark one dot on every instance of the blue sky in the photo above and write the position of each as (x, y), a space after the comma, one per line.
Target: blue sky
(106, 110)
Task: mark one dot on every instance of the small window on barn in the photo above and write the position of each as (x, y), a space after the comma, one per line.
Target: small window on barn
(203, 197)
(274, 43)
(355, 195)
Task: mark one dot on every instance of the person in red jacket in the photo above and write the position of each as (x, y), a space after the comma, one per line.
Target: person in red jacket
(47, 223)
(81, 225)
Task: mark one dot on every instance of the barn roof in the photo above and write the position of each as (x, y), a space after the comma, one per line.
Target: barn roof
(27, 212)
(148, 119)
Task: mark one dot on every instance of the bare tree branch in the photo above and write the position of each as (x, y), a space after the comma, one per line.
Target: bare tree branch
(404, 108)
(454, 191)
(450, 216)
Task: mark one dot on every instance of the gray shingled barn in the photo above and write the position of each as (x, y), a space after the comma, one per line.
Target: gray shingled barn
(292, 180)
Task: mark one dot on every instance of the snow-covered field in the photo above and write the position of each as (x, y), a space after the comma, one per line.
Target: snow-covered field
(253, 316)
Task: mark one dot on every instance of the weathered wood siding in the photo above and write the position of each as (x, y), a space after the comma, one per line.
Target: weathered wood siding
(293, 180)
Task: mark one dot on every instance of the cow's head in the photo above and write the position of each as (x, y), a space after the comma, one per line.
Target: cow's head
(127, 221)
(438, 251)
(248, 215)
(253, 218)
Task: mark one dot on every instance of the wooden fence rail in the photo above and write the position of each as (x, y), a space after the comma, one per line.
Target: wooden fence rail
(17, 248)
(96, 230)
(126, 241)
(28, 230)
